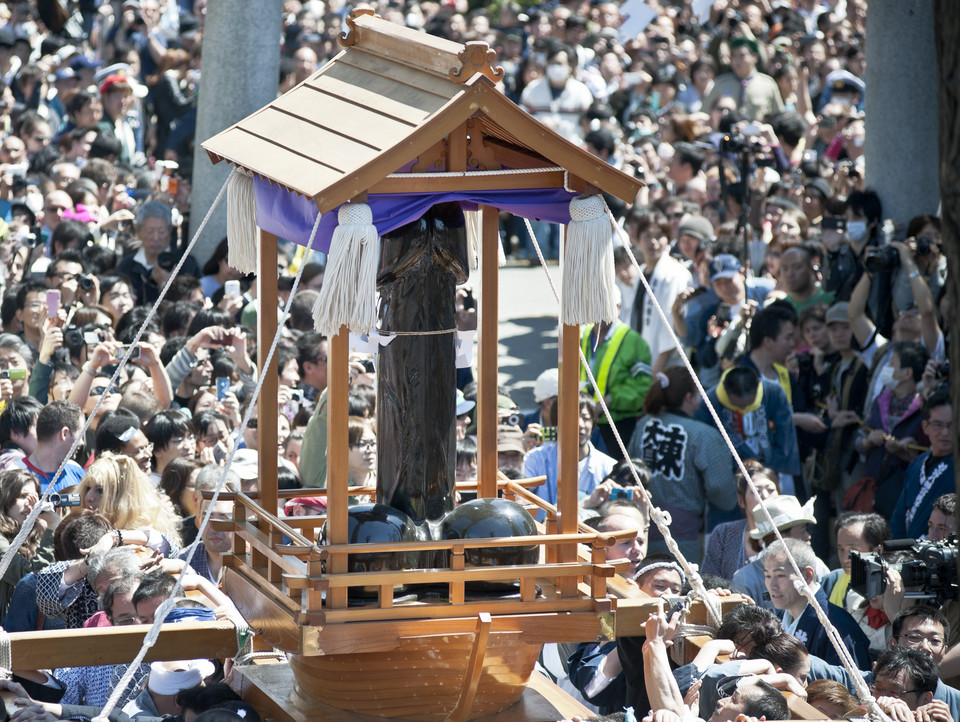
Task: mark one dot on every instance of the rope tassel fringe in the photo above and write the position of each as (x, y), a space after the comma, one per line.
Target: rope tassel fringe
(349, 293)
(587, 291)
(241, 222)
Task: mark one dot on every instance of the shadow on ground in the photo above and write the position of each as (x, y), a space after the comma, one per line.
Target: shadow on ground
(528, 346)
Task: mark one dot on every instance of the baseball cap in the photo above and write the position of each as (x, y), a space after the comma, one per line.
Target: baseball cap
(724, 266)
(245, 464)
(696, 227)
(464, 405)
(509, 438)
(820, 185)
(837, 313)
(547, 385)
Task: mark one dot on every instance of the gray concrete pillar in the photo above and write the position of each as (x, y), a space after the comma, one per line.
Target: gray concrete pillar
(240, 74)
(901, 108)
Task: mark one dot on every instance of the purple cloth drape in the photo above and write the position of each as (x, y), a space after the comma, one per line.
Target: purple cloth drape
(291, 216)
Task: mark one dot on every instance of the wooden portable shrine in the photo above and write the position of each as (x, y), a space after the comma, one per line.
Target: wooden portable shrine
(398, 100)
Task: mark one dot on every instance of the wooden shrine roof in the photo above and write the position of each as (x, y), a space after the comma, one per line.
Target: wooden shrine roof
(391, 97)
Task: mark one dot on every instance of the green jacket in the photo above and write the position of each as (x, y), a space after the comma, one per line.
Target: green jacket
(313, 453)
(621, 366)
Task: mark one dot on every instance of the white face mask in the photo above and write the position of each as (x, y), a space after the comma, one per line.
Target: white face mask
(886, 377)
(557, 74)
(856, 230)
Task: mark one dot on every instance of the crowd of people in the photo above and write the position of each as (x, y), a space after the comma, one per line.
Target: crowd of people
(817, 326)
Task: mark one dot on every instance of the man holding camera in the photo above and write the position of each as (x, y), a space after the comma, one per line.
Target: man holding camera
(147, 271)
(593, 465)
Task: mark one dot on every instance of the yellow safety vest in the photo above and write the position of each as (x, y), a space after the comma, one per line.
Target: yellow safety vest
(610, 353)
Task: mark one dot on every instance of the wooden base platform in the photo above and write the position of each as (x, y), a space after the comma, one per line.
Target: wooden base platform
(271, 688)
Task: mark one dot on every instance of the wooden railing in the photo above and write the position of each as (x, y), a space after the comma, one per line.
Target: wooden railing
(281, 556)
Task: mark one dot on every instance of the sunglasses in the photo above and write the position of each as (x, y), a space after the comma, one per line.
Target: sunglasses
(252, 424)
(728, 685)
(99, 390)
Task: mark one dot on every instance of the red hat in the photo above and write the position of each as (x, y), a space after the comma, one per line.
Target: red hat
(117, 78)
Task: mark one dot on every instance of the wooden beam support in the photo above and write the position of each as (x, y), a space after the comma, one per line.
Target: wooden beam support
(457, 149)
(118, 645)
(568, 445)
(267, 411)
(338, 387)
(488, 362)
(469, 182)
(471, 676)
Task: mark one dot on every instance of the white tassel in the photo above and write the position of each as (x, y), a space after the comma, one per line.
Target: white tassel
(241, 222)
(348, 295)
(587, 294)
(474, 231)
(474, 220)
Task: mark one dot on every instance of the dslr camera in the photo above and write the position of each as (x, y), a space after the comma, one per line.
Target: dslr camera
(882, 259)
(924, 245)
(929, 567)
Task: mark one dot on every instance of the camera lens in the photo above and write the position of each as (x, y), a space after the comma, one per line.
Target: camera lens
(86, 282)
(512, 420)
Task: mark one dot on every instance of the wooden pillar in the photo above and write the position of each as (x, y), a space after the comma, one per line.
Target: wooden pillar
(338, 387)
(568, 446)
(267, 403)
(487, 365)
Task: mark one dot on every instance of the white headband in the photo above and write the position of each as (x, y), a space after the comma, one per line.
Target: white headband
(169, 682)
(662, 565)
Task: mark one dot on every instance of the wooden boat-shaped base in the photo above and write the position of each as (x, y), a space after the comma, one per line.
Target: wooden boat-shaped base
(423, 679)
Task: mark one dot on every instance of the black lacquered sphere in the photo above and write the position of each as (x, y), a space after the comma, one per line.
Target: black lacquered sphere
(491, 518)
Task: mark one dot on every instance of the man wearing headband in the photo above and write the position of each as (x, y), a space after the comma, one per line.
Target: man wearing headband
(608, 674)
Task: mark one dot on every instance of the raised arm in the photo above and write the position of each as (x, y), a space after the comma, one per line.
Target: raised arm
(860, 324)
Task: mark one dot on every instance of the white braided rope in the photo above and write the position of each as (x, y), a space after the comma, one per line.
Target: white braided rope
(658, 517)
(151, 637)
(6, 655)
(846, 658)
(31, 519)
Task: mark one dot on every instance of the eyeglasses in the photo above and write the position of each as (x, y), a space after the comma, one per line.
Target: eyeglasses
(883, 692)
(124, 621)
(143, 451)
(727, 686)
(915, 639)
(368, 444)
(940, 425)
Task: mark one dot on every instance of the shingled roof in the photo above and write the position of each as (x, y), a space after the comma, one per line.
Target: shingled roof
(398, 99)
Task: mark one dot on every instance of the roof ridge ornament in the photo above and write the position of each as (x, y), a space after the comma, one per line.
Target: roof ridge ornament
(477, 58)
(348, 38)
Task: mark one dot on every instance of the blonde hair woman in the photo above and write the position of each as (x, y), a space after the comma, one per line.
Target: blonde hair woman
(115, 487)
